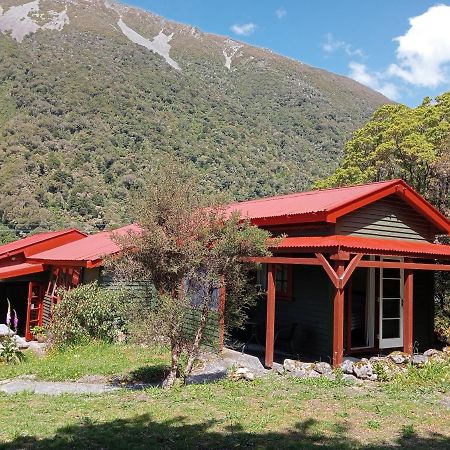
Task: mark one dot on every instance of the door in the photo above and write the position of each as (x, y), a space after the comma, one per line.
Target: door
(34, 310)
(391, 306)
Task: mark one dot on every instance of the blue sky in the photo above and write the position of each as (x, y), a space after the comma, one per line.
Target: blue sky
(399, 47)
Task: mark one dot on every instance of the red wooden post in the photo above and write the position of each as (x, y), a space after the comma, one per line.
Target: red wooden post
(270, 321)
(338, 319)
(408, 312)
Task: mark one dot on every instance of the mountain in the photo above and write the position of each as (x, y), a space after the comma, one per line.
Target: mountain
(92, 93)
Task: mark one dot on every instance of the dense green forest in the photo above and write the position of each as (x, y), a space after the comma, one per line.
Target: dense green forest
(402, 142)
(85, 113)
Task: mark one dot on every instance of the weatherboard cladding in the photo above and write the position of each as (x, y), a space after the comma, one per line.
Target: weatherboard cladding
(388, 218)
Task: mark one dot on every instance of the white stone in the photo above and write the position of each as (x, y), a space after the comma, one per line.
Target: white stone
(21, 342)
(363, 369)
(419, 360)
(399, 357)
(5, 331)
(243, 374)
(323, 368)
(347, 366)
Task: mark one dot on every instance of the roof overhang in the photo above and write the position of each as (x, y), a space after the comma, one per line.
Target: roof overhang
(356, 244)
(18, 270)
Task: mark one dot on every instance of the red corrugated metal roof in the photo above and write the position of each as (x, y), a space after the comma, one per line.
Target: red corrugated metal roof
(358, 244)
(18, 270)
(87, 250)
(328, 204)
(29, 241)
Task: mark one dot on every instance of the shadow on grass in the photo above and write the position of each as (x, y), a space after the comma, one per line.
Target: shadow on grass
(143, 376)
(142, 432)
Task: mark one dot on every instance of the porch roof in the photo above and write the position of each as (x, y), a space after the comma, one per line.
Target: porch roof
(17, 270)
(356, 244)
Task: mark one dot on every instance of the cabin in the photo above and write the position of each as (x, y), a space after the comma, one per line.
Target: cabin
(32, 269)
(351, 274)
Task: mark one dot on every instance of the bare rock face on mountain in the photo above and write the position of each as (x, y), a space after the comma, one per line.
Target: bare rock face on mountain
(92, 93)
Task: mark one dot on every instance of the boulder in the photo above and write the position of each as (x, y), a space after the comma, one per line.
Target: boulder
(347, 366)
(290, 365)
(399, 357)
(5, 331)
(419, 360)
(313, 374)
(350, 378)
(435, 355)
(299, 373)
(21, 342)
(446, 351)
(363, 369)
(242, 374)
(323, 368)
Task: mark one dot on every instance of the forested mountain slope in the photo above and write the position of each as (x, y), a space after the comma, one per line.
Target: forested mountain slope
(92, 93)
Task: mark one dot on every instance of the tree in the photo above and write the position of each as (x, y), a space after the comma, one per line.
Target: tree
(402, 142)
(190, 250)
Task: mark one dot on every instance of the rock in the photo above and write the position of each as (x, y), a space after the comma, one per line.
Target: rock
(37, 348)
(378, 359)
(299, 373)
(347, 366)
(446, 351)
(363, 369)
(313, 374)
(242, 374)
(290, 365)
(21, 342)
(419, 360)
(323, 368)
(330, 376)
(5, 330)
(350, 378)
(399, 357)
(373, 377)
(435, 355)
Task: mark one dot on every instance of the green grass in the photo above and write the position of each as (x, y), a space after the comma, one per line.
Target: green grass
(275, 412)
(132, 362)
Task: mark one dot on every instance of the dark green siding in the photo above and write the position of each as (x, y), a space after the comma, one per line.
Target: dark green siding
(423, 310)
(141, 292)
(389, 218)
(312, 310)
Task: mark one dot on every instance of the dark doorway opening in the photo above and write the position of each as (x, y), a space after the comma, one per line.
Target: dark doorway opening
(17, 294)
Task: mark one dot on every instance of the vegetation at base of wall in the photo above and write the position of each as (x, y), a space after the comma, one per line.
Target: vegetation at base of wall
(89, 312)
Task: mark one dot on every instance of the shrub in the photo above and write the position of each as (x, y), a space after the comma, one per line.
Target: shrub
(89, 312)
(442, 327)
(9, 351)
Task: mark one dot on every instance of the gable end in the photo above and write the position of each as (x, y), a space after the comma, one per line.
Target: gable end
(388, 218)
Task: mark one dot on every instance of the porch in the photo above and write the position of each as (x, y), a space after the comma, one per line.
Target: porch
(356, 296)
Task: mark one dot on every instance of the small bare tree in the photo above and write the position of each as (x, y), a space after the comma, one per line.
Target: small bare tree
(190, 249)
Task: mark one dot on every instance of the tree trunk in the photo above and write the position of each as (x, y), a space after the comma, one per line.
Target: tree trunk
(198, 337)
(172, 375)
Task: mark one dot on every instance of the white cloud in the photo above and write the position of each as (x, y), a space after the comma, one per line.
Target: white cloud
(376, 80)
(280, 12)
(332, 45)
(423, 53)
(246, 29)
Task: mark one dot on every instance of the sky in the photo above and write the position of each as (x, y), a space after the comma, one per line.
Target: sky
(398, 47)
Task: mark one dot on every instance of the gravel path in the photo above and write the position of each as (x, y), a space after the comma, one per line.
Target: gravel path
(54, 387)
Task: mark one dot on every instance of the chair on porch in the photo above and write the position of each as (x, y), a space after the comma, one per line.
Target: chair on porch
(285, 335)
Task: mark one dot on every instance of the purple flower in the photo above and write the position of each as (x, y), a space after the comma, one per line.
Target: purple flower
(16, 320)
(8, 314)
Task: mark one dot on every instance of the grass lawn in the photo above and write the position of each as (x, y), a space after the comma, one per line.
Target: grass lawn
(275, 412)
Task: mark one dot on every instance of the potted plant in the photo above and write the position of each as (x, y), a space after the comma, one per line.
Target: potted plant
(39, 333)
